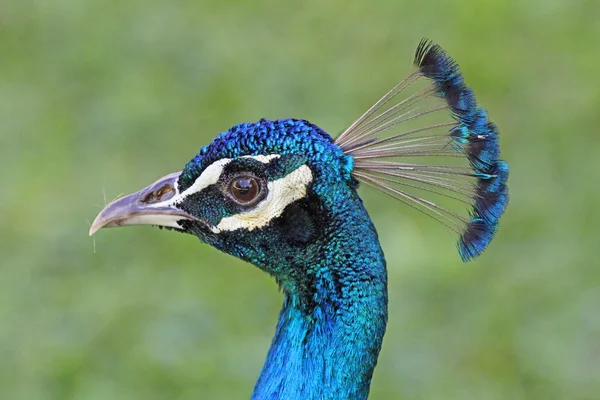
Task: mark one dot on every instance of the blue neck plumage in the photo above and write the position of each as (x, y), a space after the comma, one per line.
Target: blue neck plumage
(327, 348)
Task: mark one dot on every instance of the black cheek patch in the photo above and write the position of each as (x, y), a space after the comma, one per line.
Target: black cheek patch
(297, 225)
(302, 222)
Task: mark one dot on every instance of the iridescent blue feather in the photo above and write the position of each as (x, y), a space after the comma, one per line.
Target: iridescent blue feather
(481, 147)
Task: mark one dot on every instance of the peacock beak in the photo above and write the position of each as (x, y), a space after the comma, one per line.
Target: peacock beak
(153, 205)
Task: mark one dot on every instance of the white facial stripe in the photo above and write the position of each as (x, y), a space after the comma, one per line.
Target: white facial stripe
(282, 193)
(209, 176)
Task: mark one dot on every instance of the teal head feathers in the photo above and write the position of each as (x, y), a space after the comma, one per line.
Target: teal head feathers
(282, 195)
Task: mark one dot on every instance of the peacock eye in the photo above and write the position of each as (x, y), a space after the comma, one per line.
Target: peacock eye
(244, 189)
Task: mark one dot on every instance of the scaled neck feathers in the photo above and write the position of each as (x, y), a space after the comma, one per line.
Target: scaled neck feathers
(327, 347)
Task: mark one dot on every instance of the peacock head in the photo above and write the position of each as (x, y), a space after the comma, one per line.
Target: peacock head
(282, 194)
(263, 192)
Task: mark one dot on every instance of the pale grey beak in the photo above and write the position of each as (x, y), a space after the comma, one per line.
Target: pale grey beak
(153, 205)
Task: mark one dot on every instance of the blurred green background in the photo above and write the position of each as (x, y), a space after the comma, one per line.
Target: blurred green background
(99, 98)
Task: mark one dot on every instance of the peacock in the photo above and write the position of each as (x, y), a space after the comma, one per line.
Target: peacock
(282, 195)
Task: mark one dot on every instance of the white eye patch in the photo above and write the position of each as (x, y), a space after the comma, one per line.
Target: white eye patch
(209, 176)
(282, 192)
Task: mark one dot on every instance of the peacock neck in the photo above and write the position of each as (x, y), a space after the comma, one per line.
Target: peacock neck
(326, 346)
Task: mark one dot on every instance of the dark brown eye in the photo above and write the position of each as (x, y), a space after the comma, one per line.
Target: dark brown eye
(244, 189)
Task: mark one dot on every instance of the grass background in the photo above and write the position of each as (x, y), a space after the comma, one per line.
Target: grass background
(104, 96)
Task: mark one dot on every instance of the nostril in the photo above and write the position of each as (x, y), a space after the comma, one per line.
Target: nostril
(163, 193)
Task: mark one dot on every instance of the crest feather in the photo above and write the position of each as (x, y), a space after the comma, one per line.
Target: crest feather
(451, 144)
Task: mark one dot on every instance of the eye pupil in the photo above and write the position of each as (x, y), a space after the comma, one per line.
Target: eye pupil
(244, 189)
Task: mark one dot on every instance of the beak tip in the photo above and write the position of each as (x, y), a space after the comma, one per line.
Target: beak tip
(95, 227)
(129, 210)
